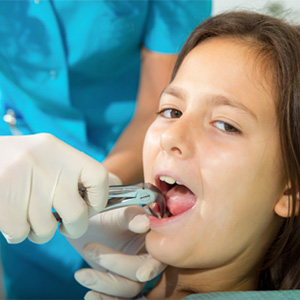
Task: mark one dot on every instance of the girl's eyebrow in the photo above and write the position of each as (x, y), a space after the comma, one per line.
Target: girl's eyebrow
(215, 100)
(176, 92)
(218, 100)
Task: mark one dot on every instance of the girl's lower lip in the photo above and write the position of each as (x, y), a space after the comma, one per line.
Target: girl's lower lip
(155, 222)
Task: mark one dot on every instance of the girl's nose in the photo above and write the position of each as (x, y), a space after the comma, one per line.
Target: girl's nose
(178, 139)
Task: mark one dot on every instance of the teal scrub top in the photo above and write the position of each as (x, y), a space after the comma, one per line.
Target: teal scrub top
(71, 68)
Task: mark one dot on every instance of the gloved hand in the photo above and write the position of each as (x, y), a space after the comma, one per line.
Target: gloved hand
(127, 273)
(122, 231)
(40, 172)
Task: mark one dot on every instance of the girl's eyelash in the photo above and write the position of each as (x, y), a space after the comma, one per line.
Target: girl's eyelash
(227, 128)
(173, 113)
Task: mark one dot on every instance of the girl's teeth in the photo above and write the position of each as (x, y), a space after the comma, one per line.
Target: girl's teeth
(169, 180)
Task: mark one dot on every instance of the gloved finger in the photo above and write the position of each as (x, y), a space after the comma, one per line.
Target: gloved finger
(114, 179)
(76, 226)
(46, 230)
(149, 269)
(15, 237)
(105, 229)
(13, 222)
(133, 218)
(139, 223)
(42, 222)
(72, 209)
(43, 225)
(92, 295)
(17, 232)
(94, 177)
(114, 261)
(108, 283)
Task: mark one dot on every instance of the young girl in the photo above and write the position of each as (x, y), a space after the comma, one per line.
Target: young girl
(225, 152)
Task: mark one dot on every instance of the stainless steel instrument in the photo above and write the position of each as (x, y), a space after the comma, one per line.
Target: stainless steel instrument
(143, 194)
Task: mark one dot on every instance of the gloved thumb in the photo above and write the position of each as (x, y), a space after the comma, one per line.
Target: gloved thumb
(114, 179)
(141, 267)
(92, 295)
(149, 269)
(117, 221)
(139, 223)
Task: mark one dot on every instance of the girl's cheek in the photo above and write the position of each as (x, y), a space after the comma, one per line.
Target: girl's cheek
(151, 146)
(152, 139)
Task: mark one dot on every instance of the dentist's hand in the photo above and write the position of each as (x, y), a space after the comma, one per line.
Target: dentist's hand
(116, 243)
(40, 172)
(126, 274)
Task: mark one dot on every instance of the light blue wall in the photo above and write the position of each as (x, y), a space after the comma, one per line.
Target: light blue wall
(291, 7)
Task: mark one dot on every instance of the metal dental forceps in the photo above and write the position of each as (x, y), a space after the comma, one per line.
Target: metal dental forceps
(136, 194)
(133, 194)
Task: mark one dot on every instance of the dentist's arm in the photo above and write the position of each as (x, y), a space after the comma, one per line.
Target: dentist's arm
(39, 173)
(125, 160)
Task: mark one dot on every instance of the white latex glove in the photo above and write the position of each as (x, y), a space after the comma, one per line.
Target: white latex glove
(127, 273)
(122, 231)
(40, 172)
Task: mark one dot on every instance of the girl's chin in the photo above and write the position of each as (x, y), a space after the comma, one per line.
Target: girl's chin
(170, 237)
(164, 254)
(165, 251)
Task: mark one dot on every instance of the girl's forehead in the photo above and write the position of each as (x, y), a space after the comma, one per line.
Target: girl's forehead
(244, 53)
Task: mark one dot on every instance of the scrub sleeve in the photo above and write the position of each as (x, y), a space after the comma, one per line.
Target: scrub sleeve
(71, 68)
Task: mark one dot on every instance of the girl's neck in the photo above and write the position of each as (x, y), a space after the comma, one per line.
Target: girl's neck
(179, 283)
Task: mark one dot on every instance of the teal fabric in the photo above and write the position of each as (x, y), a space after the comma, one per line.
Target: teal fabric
(250, 295)
(149, 286)
(60, 70)
(71, 68)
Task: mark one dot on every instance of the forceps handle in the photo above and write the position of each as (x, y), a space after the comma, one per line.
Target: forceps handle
(123, 195)
(138, 194)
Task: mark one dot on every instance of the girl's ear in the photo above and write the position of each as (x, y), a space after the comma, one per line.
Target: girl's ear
(283, 206)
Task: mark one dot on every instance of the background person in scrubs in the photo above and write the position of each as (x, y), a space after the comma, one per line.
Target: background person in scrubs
(90, 73)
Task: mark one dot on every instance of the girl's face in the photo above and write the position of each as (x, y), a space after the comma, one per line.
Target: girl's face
(214, 152)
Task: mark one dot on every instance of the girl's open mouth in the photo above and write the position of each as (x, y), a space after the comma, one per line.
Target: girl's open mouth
(178, 197)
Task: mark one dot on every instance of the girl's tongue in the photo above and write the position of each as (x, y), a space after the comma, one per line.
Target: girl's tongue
(179, 199)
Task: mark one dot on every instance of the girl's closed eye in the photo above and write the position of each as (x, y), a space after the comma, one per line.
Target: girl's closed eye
(170, 113)
(226, 127)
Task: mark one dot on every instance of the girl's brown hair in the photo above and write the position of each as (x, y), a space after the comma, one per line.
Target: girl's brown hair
(278, 45)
